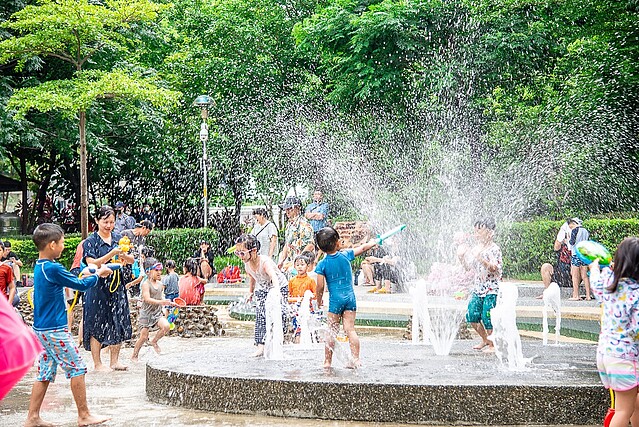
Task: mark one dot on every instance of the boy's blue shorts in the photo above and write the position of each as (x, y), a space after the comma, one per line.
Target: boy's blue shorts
(172, 297)
(59, 349)
(341, 303)
(479, 309)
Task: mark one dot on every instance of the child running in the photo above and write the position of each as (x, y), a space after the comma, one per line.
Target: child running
(263, 275)
(50, 325)
(297, 287)
(618, 350)
(334, 272)
(151, 311)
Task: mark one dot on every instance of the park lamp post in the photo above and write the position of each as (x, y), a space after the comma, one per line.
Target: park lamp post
(203, 102)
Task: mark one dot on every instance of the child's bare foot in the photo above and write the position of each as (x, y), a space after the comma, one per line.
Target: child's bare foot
(489, 349)
(92, 420)
(259, 352)
(102, 368)
(481, 345)
(119, 367)
(134, 359)
(327, 364)
(37, 422)
(354, 364)
(156, 347)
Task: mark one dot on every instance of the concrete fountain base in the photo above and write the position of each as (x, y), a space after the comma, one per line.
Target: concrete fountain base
(398, 383)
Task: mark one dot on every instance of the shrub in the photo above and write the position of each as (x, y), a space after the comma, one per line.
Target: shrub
(180, 243)
(527, 245)
(24, 247)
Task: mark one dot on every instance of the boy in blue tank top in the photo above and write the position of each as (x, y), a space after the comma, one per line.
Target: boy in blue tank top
(50, 325)
(334, 272)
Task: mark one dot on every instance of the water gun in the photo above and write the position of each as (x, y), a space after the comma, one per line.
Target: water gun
(124, 244)
(588, 251)
(380, 238)
(135, 269)
(172, 317)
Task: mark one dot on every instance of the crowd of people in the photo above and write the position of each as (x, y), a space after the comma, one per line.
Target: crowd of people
(114, 264)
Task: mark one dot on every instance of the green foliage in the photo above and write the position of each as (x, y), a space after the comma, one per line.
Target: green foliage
(28, 254)
(223, 261)
(527, 245)
(180, 244)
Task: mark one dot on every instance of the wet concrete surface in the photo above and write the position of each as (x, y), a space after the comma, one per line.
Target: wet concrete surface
(122, 395)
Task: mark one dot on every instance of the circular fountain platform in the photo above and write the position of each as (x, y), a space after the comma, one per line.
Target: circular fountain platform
(399, 382)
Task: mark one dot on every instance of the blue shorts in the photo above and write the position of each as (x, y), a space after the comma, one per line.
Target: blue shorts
(479, 309)
(574, 260)
(341, 303)
(172, 297)
(59, 349)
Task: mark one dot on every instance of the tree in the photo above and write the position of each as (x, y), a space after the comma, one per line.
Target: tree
(76, 32)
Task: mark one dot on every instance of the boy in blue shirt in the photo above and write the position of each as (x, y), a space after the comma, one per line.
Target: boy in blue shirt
(50, 325)
(334, 272)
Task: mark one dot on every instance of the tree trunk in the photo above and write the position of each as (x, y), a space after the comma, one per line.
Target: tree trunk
(84, 199)
(25, 189)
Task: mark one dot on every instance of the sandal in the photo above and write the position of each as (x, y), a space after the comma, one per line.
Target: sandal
(383, 291)
(372, 291)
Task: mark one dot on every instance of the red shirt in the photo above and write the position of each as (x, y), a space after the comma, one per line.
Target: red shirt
(6, 277)
(191, 290)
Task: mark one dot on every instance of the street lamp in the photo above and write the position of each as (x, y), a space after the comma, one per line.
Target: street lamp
(203, 101)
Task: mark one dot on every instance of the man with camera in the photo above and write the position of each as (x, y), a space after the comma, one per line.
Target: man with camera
(11, 259)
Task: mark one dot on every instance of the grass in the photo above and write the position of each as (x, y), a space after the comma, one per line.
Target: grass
(536, 276)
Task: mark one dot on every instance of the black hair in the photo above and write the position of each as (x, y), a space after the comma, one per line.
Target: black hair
(260, 211)
(45, 234)
(103, 213)
(327, 239)
(486, 222)
(310, 255)
(249, 241)
(302, 258)
(6, 244)
(147, 251)
(149, 262)
(170, 263)
(626, 262)
(146, 224)
(192, 265)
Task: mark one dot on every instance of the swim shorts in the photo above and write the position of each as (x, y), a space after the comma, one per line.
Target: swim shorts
(617, 373)
(59, 349)
(479, 309)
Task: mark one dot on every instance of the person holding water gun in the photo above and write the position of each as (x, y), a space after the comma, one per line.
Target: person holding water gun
(617, 289)
(151, 311)
(106, 316)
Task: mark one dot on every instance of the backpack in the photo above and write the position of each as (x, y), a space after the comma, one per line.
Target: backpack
(229, 274)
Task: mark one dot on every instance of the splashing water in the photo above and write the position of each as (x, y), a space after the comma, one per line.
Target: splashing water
(274, 342)
(306, 333)
(552, 301)
(505, 334)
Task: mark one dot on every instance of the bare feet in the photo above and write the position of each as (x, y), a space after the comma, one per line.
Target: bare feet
(480, 345)
(37, 422)
(354, 364)
(489, 349)
(156, 347)
(327, 364)
(119, 367)
(102, 368)
(259, 352)
(92, 420)
(134, 359)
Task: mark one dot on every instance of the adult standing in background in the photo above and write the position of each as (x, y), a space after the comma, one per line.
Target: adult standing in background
(298, 236)
(10, 258)
(122, 220)
(578, 270)
(317, 212)
(562, 274)
(148, 214)
(106, 317)
(266, 233)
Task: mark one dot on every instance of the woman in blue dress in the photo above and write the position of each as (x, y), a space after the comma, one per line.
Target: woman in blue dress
(107, 320)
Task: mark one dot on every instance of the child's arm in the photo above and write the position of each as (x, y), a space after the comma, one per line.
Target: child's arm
(365, 247)
(134, 281)
(60, 276)
(321, 283)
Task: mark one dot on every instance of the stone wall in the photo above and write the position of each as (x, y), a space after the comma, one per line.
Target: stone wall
(192, 322)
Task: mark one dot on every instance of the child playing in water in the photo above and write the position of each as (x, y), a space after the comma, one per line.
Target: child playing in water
(486, 262)
(171, 281)
(191, 286)
(263, 275)
(151, 311)
(617, 289)
(50, 325)
(334, 272)
(297, 287)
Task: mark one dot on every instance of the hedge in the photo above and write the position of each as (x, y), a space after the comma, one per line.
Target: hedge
(527, 245)
(176, 244)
